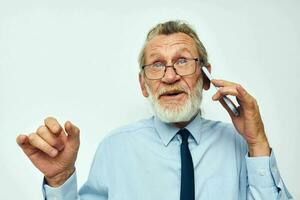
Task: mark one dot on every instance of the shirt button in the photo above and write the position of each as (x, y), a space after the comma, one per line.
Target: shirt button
(262, 172)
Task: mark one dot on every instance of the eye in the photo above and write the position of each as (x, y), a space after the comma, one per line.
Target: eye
(181, 61)
(158, 65)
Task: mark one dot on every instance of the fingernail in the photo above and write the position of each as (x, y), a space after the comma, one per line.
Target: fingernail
(242, 89)
(56, 128)
(54, 152)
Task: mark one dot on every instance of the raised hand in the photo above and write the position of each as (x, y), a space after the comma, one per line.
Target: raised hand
(52, 149)
(249, 123)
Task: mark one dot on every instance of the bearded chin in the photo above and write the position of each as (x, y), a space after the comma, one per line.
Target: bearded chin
(178, 113)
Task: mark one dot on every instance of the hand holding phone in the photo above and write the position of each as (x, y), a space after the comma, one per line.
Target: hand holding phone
(228, 102)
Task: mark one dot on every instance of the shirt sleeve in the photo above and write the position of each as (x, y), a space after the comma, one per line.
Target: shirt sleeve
(264, 181)
(66, 191)
(95, 188)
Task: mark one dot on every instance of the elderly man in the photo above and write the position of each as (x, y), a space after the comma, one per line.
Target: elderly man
(176, 154)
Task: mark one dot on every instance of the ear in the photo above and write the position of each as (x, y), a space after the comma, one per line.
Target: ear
(206, 81)
(142, 84)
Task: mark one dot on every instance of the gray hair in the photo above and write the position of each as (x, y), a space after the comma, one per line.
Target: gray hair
(170, 27)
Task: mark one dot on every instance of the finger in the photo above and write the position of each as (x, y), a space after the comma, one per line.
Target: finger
(222, 83)
(23, 142)
(227, 108)
(53, 125)
(72, 130)
(230, 90)
(36, 141)
(51, 139)
(245, 99)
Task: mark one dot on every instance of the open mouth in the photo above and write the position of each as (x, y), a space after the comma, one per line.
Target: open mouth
(173, 93)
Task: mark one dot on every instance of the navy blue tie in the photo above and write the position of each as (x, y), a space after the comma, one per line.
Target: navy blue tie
(187, 190)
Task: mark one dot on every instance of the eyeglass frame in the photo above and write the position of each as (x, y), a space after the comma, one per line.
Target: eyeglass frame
(166, 66)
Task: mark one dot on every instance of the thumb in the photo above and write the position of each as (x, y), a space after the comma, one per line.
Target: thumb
(72, 131)
(23, 142)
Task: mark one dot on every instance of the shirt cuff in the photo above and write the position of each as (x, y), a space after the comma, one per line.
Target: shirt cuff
(68, 190)
(262, 171)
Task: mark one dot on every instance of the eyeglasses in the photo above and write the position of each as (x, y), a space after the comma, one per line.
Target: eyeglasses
(182, 67)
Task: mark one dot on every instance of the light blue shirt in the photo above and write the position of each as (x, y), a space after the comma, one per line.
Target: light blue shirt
(141, 161)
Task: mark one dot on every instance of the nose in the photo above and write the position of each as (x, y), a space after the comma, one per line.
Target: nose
(170, 75)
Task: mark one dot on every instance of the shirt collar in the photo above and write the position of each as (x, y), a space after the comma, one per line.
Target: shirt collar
(167, 131)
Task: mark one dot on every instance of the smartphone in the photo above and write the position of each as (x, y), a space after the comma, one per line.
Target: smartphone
(228, 102)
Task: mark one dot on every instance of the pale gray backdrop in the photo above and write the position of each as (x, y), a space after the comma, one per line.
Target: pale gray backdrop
(77, 60)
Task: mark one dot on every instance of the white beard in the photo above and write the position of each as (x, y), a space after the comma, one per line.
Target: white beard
(178, 113)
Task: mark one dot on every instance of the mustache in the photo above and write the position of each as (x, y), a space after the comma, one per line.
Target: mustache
(172, 89)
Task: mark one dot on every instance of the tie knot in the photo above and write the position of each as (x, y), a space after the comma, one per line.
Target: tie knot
(184, 134)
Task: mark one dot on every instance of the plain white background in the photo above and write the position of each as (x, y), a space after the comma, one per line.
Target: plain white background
(77, 60)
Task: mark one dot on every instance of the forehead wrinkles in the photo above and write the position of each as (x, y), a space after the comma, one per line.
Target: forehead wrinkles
(166, 43)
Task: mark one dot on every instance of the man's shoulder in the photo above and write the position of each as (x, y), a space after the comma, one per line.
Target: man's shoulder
(225, 129)
(218, 126)
(128, 130)
(224, 132)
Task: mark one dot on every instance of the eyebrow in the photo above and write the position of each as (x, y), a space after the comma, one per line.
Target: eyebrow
(183, 49)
